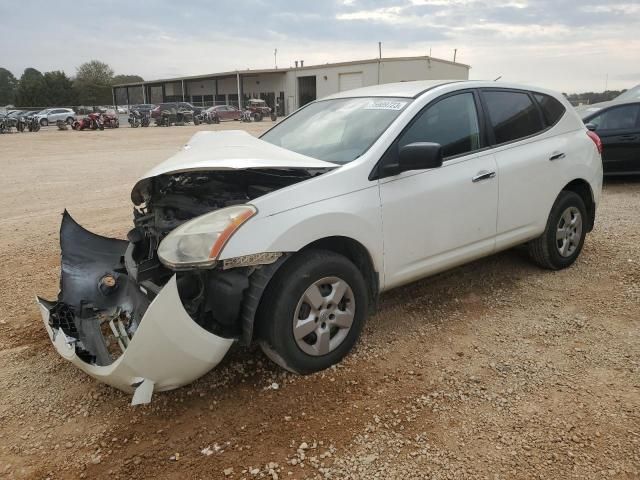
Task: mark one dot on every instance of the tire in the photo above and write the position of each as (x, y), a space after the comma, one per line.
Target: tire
(69, 120)
(274, 117)
(284, 303)
(44, 122)
(257, 117)
(561, 243)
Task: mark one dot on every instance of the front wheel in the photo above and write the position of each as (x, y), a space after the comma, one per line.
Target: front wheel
(561, 243)
(44, 122)
(313, 311)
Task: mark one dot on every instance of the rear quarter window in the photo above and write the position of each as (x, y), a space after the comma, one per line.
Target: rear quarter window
(552, 109)
(513, 115)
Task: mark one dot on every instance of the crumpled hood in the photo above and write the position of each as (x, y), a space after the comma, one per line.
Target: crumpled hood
(227, 150)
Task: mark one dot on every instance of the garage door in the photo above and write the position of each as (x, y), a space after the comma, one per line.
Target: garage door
(349, 81)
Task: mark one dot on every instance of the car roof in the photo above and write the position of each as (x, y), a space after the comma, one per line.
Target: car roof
(414, 89)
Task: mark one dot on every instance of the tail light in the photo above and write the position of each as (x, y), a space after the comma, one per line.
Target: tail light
(596, 139)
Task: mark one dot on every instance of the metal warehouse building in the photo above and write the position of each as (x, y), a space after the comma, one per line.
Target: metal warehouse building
(287, 88)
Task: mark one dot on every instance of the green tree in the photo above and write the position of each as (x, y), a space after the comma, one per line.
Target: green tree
(118, 79)
(8, 84)
(31, 91)
(59, 89)
(93, 83)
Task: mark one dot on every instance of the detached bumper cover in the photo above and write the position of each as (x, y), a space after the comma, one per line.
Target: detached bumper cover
(166, 348)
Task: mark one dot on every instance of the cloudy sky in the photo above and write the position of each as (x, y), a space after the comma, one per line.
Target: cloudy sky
(568, 45)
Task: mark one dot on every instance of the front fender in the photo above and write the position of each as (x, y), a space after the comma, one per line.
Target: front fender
(356, 215)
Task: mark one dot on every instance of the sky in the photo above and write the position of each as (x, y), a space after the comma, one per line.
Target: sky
(567, 45)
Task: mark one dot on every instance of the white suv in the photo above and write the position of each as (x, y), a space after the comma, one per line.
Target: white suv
(52, 115)
(289, 239)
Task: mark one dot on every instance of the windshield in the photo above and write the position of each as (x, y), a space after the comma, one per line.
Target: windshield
(336, 131)
(631, 94)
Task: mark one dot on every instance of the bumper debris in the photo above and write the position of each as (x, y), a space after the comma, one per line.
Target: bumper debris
(107, 325)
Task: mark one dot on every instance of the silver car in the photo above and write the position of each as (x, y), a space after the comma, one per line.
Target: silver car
(52, 115)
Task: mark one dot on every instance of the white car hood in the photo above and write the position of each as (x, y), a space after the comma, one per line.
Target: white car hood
(228, 150)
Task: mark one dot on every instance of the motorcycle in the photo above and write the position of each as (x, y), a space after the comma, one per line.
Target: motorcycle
(210, 117)
(176, 117)
(7, 122)
(246, 116)
(91, 121)
(3, 124)
(109, 119)
(21, 122)
(184, 116)
(137, 119)
(33, 125)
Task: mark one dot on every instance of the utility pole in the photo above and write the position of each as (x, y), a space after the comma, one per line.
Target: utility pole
(275, 57)
(379, 49)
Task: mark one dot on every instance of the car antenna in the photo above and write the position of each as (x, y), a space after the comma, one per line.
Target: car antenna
(497, 78)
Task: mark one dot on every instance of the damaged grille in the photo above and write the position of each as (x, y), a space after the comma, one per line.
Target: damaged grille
(62, 317)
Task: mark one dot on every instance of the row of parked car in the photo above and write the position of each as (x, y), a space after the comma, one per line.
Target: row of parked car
(163, 114)
(171, 113)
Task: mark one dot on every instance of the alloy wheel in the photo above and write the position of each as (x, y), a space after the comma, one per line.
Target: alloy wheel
(569, 232)
(324, 315)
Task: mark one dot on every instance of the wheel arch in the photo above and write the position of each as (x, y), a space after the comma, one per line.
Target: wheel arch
(582, 188)
(353, 250)
(359, 256)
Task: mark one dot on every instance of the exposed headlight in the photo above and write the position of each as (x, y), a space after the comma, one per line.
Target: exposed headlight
(198, 242)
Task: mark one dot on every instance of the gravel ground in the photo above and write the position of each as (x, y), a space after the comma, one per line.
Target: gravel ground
(496, 370)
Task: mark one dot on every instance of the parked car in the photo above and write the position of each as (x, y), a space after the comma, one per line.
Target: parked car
(177, 106)
(52, 115)
(618, 125)
(143, 108)
(287, 240)
(259, 109)
(222, 113)
(170, 113)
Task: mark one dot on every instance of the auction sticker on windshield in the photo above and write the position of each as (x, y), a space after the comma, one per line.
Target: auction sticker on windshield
(385, 105)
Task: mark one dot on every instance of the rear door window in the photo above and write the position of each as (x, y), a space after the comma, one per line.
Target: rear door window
(513, 115)
(552, 109)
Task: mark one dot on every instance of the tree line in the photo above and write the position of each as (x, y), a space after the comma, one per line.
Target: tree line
(589, 98)
(90, 86)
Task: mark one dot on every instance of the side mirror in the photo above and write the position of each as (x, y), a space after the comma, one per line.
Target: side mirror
(591, 127)
(419, 156)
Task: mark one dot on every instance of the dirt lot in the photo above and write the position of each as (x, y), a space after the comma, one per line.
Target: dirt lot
(496, 370)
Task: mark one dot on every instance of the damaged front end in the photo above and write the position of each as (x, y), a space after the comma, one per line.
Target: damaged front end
(160, 309)
(136, 337)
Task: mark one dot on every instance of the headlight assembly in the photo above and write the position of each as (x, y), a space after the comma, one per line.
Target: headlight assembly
(198, 242)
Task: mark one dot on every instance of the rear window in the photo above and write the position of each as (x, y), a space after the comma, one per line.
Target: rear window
(513, 115)
(552, 109)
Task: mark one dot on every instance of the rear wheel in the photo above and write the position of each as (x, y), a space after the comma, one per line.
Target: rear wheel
(561, 243)
(69, 120)
(44, 122)
(313, 311)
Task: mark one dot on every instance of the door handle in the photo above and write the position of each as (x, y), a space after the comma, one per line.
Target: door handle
(557, 156)
(627, 137)
(483, 175)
